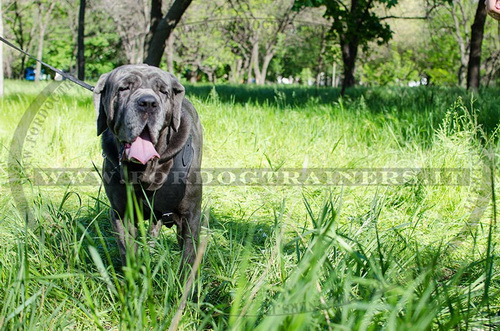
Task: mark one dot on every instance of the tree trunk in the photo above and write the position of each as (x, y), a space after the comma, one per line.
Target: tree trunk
(462, 43)
(39, 54)
(320, 60)
(265, 66)
(334, 73)
(260, 72)
(236, 69)
(318, 79)
(210, 75)
(19, 33)
(245, 68)
(156, 46)
(349, 54)
(476, 41)
(154, 19)
(192, 75)
(254, 54)
(256, 65)
(42, 27)
(170, 53)
(80, 56)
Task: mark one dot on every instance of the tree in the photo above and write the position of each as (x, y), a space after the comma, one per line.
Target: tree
(354, 23)
(155, 17)
(103, 46)
(392, 66)
(44, 13)
(443, 53)
(22, 25)
(258, 31)
(448, 33)
(477, 33)
(461, 26)
(143, 31)
(307, 50)
(19, 20)
(164, 28)
(199, 46)
(132, 21)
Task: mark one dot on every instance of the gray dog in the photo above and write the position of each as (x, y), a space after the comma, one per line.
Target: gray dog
(151, 139)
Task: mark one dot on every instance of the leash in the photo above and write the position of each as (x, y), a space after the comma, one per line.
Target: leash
(60, 72)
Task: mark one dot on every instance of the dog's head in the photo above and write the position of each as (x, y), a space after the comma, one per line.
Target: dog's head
(137, 103)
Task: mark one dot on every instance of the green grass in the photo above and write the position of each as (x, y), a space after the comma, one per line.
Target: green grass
(399, 257)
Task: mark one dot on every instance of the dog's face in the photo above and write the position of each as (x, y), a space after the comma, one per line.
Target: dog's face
(136, 103)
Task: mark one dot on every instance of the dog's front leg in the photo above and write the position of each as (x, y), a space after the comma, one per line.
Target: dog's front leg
(154, 230)
(126, 233)
(188, 231)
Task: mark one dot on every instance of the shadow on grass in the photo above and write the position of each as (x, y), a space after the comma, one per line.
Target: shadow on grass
(232, 241)
(429, 102)
(95, 226)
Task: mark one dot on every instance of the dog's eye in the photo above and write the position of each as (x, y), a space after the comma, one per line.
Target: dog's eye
(124, 88)
(164, 91)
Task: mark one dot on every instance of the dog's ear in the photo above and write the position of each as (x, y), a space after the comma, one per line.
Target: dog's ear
(99, 94)
(178, 92)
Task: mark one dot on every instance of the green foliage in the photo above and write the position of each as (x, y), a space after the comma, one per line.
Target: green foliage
(308, 47)
(102, 43)
(397, 68)
(358, 21)
(214, 40)
(200, 47)
(305, 76)
(102, 46)
(60, 52)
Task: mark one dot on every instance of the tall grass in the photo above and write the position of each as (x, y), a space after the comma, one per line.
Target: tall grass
(403, 257)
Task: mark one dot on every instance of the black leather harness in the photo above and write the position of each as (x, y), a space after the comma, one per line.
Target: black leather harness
(166, 198)
(177, 177)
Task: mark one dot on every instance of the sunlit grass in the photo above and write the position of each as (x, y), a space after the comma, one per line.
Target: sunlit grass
(399, 257)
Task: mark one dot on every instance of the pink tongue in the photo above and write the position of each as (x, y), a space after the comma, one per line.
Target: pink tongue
(141, 150)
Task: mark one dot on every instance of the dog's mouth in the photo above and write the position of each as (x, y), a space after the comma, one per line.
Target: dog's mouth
(141, 150)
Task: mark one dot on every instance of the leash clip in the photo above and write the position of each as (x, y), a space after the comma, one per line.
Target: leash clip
(167, 217)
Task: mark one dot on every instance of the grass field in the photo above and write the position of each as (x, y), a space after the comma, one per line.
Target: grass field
(420, 254)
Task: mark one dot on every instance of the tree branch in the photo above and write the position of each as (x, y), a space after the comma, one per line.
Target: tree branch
(164, 29)
(404, 17)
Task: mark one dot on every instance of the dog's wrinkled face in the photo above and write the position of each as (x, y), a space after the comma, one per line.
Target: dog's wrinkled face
(136, 103)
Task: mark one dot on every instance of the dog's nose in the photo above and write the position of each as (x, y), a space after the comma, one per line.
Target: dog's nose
(147, 103)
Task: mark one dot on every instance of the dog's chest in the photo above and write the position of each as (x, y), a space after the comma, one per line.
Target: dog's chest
(166, 199)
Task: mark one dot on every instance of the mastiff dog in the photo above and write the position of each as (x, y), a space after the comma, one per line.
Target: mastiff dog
(151, 141)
